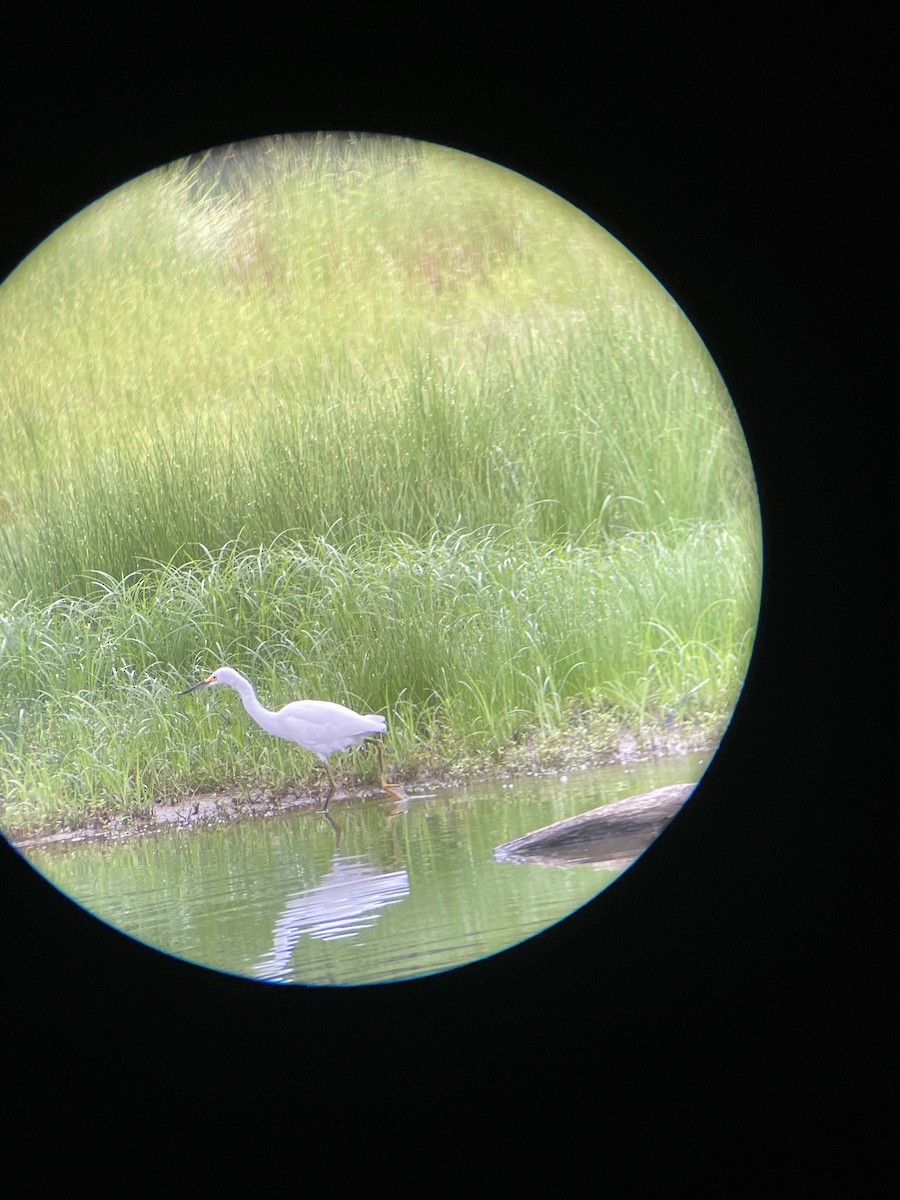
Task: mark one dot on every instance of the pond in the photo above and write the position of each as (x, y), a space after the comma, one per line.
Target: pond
(372, 896)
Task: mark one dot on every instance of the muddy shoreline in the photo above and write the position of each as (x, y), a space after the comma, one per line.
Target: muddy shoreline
(215, 807)
(204, 808)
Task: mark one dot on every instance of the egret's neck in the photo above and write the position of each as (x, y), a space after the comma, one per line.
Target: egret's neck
(262, 716)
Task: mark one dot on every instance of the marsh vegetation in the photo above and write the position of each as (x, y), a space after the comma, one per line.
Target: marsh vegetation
(371, 421)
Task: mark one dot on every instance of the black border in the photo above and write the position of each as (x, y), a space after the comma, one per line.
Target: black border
(702, 1009)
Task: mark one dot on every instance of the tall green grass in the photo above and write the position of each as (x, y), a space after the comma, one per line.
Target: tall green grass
(369, 420)
(378, 341)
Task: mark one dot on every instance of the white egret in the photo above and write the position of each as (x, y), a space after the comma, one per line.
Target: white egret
(319, 726)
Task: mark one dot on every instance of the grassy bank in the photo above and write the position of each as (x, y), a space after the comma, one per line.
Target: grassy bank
(477, 649)
(369, 421)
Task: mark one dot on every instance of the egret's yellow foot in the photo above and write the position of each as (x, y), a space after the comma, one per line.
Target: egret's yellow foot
(385, 786)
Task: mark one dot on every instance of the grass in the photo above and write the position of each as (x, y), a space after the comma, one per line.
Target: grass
(472, 644)
(371, 421)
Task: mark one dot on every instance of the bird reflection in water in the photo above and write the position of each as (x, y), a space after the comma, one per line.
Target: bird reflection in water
(342, 905)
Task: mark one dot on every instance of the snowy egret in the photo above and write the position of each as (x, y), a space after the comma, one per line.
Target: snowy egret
(319, 726)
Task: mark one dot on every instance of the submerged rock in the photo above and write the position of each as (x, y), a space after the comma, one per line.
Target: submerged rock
(611, 836)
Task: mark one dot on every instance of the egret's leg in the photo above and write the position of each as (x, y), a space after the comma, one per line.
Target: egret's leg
(385, 787)
(331, 785)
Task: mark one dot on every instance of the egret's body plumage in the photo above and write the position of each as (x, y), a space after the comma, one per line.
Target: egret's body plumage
(320, 726)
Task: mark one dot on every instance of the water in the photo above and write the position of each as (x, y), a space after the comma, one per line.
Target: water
(374, 896)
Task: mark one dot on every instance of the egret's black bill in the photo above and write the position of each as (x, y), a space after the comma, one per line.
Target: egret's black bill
(187, 691)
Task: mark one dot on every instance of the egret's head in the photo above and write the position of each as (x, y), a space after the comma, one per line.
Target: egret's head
(224, 675)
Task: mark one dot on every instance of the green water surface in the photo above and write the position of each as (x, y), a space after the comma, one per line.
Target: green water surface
(375, 896)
